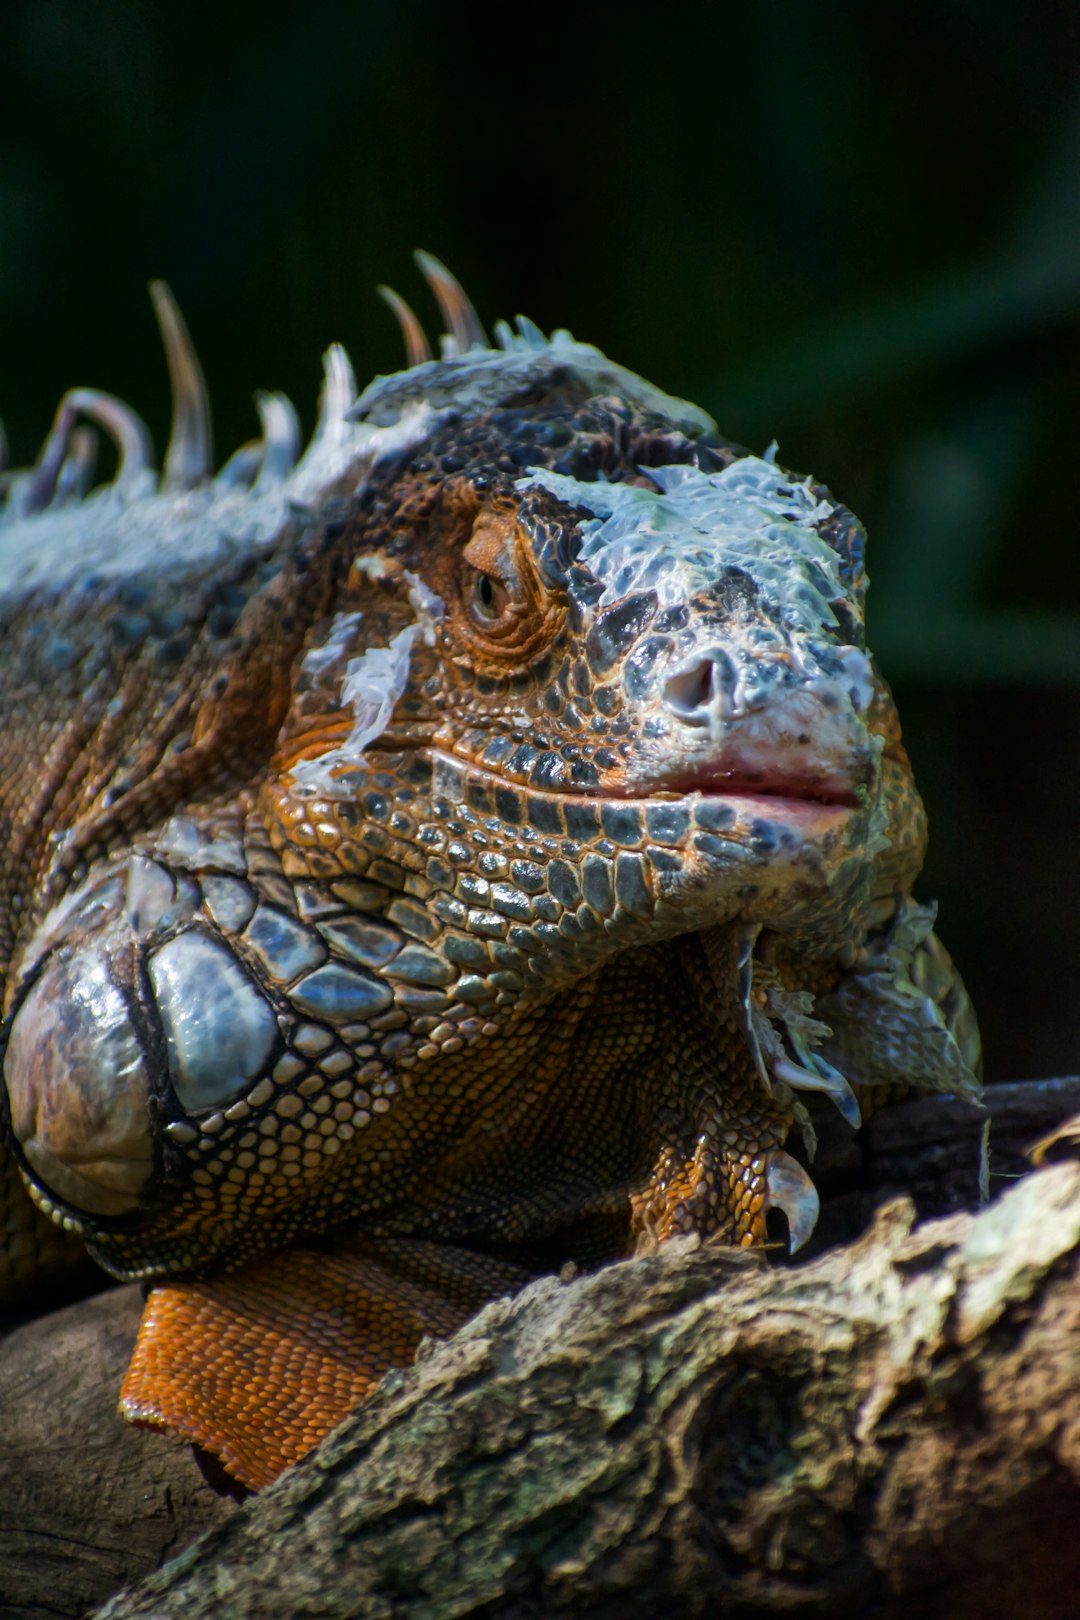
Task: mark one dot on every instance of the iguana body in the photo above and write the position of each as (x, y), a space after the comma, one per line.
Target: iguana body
(452, 854)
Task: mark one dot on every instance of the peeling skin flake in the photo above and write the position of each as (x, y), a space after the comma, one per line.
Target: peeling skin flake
(777, 675)
(430, 609)
(373, 684)
(342, 630)
(749, 516)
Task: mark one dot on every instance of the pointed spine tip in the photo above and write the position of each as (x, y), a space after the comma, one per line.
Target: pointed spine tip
(462, 321)
(280, 437)
(417, 348)
(189, 455)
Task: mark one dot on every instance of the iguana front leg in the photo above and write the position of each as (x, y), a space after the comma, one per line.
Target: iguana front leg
(724, 1167)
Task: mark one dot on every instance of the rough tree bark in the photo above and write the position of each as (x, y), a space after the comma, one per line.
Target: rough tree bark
(894, 1423)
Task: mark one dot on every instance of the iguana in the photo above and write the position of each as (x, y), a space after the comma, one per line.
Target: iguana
(456, 850)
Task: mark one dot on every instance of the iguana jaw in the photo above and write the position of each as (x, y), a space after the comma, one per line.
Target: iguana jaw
(705, 798)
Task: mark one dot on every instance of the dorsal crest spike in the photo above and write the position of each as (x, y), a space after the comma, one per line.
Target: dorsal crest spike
(530, 332)
(34, 490)
(77, 470)
(417, 347)
(189, 457)
(280, 437)
(242, 467)
(339, 384)
(462, 321)
(125, 427)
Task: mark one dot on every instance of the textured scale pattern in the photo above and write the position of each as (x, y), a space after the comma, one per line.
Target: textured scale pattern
(455, 850)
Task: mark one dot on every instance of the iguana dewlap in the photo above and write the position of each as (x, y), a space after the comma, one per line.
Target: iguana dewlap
(449, 853)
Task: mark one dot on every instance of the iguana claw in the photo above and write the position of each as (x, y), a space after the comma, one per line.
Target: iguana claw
(789, 1188)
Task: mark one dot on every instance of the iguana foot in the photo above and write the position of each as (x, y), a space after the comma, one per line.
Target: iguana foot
(725, 1190)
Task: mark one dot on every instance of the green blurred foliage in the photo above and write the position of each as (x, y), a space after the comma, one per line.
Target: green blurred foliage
(853, 228)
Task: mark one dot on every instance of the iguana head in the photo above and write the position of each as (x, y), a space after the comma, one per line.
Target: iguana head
(570, 677)
(569, 606)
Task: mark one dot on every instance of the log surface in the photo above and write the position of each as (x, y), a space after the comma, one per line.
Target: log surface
(87, 1503)
(896, 1422)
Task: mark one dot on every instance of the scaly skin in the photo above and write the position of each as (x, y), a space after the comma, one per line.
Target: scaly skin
(452, 856)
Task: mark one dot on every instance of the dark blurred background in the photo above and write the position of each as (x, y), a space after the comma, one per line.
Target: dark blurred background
(853, 228)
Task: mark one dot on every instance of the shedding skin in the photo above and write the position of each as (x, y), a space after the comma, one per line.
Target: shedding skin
(449, 853)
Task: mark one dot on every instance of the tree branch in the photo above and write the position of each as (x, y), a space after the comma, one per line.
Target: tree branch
(898, 1418)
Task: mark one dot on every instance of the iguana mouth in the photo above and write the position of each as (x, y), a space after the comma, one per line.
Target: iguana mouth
(749, 791)
(770, 790)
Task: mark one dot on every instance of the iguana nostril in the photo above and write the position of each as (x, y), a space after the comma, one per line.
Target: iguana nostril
(697, 691)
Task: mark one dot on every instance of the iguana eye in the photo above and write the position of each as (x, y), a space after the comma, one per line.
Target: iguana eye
(488, 600)
(498, 608)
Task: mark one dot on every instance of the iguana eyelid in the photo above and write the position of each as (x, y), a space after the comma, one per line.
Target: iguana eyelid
(489, 550)
(489, 555)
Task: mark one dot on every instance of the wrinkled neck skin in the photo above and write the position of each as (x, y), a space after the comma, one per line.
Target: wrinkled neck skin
(474, 868)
